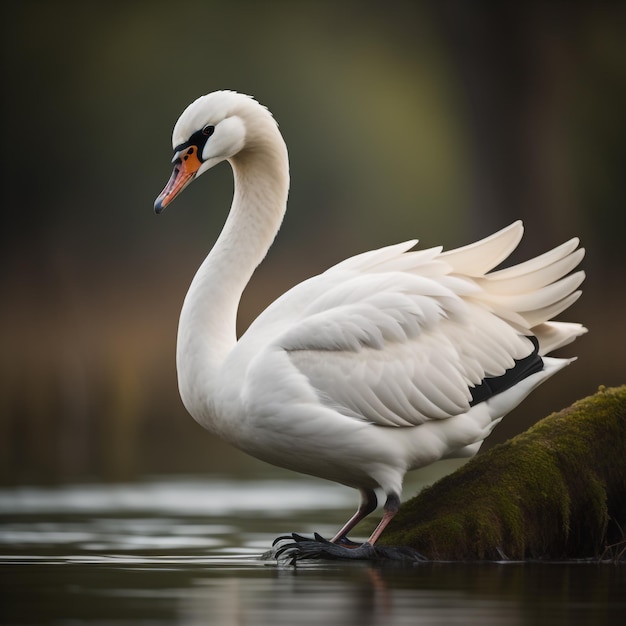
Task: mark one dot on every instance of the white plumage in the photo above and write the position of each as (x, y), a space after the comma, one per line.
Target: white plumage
(386, 362)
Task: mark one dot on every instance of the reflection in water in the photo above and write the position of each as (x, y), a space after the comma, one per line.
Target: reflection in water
(188, 552)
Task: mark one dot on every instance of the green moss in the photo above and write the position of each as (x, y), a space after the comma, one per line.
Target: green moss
(556, 491)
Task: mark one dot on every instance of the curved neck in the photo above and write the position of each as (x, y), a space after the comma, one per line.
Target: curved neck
(207, 327)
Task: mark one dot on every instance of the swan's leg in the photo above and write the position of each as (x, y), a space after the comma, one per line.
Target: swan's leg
(392, 506)
(319, 548)
(369, 502)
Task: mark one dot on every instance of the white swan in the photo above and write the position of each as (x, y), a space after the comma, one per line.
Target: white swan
(386, 362)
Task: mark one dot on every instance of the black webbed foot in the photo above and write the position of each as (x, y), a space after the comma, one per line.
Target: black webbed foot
(318, 548)
(305, 548)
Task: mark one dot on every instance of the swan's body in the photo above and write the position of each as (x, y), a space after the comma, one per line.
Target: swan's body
(386, 362)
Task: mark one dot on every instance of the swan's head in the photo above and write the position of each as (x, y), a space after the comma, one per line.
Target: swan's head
(210, 130)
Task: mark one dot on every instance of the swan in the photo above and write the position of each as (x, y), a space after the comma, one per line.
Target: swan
(386, 362)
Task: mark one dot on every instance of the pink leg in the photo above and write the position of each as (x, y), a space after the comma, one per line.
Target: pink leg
(369, 502)
(392, 506)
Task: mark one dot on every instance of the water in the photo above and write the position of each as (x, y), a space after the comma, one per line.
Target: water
(187, 551)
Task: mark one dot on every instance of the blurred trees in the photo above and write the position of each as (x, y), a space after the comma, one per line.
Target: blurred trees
(441, 120)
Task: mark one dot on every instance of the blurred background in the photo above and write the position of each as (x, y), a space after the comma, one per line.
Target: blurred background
(438, 120)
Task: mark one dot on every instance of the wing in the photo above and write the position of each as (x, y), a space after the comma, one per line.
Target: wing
(398, 349)
(398, 337)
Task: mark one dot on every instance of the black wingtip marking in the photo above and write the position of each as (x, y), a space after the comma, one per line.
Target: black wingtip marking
(522, 369)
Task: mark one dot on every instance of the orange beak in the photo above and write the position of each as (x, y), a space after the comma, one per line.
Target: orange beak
(186, 164)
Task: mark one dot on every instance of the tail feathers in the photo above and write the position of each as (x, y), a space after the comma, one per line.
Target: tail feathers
(502, 403)
(555, 335)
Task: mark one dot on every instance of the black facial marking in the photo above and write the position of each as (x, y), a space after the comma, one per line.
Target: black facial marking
(197, 140)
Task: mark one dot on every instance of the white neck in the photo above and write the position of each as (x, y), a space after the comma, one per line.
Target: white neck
(207, 327)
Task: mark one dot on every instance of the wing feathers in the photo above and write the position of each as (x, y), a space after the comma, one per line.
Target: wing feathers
(539, 262)
(532, 276)
(539, 316)
(398, 337)
(478, 258)
(367, 260)
(542, 297)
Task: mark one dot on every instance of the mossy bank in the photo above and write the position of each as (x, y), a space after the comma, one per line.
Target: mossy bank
(556, 491)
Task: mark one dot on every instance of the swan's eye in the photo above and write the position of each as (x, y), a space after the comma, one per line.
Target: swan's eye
(207, 131)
